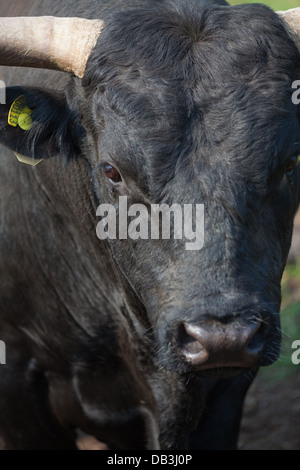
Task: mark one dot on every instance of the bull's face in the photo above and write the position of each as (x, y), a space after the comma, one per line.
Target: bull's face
(201, 130)
(194, 112)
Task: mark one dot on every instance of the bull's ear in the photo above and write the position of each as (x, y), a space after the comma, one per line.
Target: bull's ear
(39, 124)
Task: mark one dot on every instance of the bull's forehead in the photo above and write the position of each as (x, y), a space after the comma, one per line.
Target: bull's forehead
(194, 83)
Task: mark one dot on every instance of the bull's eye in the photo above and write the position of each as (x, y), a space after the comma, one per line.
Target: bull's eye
(291, 165)
(112, 174)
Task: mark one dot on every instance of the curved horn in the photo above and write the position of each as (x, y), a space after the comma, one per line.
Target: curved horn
(48, 42)
(291, 19)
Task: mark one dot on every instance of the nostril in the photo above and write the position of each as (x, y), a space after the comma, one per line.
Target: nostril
(190, 345)
(256, 339)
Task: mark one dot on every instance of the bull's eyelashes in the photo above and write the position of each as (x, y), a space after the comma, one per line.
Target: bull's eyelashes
(112, 174)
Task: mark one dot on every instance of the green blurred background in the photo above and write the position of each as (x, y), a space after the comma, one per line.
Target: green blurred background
(275, 4)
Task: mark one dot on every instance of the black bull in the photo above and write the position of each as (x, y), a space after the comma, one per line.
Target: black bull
(142, 343)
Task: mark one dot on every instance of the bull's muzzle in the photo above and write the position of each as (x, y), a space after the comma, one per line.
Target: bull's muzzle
(216, 345)
(219, 343)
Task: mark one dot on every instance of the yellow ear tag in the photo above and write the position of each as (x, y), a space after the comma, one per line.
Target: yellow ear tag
(25, 121)
(15, 110)
(20, 115)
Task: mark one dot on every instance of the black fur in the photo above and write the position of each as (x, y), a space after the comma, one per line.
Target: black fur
(181, 107)
(191, 102)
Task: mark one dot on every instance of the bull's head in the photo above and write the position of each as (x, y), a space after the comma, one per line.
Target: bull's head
(185, 134)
